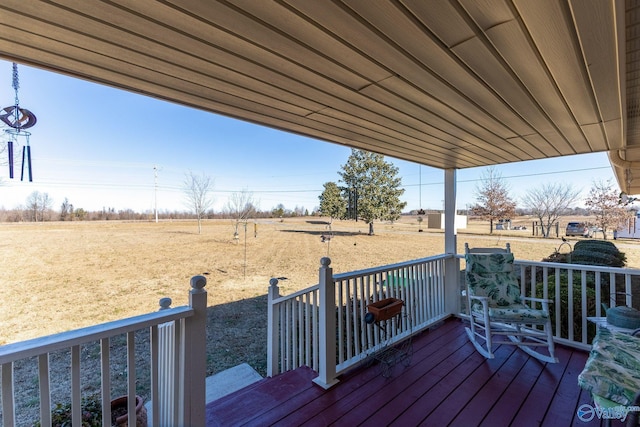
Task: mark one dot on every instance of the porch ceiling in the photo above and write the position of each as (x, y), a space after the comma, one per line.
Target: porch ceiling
(449, 84)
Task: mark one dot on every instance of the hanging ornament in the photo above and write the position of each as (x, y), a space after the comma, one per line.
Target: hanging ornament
(18, 119)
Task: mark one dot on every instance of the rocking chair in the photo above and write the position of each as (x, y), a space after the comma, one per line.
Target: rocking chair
(496, 306)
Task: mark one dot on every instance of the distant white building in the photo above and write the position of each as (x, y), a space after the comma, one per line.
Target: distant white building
(437, 221)
(632, 230)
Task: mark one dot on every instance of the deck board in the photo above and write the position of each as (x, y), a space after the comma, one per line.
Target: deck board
(448, 376)
(564, 405)
(485, 396)
(534, 409)
(400, 392)
(447, 383)
(514, 395)
(467, 389)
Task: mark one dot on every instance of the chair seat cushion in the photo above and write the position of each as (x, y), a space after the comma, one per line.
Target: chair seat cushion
(514, 313)
(613, 368)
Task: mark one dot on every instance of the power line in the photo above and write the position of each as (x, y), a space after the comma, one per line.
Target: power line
(548, 173)
(155, 186)
(516, 176)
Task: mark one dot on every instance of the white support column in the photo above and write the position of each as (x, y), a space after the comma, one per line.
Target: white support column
(273, 331)
(327, 334)
(452, 265)
(195, 361)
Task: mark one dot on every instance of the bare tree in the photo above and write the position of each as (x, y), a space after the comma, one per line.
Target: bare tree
(66, 210)
(197, 189)
(38, 206)
(46, 203)
(548, 202)
(33, 206)
(240, 207)
(605, 204)
(492, 196)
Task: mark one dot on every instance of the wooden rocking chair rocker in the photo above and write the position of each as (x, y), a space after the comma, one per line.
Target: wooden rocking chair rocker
(496, 307)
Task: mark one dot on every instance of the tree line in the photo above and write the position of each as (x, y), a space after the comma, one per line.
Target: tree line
(369, 189)
(39, 207)
(548, 202)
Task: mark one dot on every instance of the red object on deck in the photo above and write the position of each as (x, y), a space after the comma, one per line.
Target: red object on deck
(386, 308)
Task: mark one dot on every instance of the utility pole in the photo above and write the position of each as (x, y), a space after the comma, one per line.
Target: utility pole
(420, 185)
(155, 190)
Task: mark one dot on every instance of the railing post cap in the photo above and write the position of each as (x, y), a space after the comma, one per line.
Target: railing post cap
(198, 282)
(273, 281)
(325, 261)
(165, 303)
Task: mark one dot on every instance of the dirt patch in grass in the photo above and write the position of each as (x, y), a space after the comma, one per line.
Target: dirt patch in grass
(62, 276)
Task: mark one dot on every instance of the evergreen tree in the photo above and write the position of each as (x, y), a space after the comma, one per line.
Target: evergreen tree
(372, 187)
(278, 211)
(332, 204)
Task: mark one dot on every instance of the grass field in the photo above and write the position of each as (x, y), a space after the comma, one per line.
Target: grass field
(62, 276)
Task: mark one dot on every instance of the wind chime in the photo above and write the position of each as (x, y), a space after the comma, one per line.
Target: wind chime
(18, 119)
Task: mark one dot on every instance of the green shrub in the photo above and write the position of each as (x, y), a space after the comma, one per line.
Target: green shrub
(592, 257)
(598, 252)
(91, 413)
(603, 245)
(591, 252)
(557, 257)
(565, 322)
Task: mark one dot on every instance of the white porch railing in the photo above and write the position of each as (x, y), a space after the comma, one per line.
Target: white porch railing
(592, 286)
(304, 327)
(189, 363)
(572, 305)
(323, 326)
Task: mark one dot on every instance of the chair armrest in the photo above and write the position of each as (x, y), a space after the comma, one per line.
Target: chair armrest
(483, 300)
(550, 301)
(485, 306)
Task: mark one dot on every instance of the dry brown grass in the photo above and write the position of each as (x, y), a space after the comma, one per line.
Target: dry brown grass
(61, 276)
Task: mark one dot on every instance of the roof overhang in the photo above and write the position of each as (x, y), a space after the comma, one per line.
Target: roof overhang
(449, 84)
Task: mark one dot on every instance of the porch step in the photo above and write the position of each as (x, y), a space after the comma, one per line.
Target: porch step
(223, 383)
(230, 380)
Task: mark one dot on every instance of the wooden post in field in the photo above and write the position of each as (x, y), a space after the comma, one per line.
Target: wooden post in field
(327, 333)
(273, 331)
(195, 367)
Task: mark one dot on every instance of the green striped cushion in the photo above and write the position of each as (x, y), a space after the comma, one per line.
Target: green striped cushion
(613, 368)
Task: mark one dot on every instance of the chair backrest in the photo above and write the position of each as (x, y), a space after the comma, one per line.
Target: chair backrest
(491, 274)
(468, 250)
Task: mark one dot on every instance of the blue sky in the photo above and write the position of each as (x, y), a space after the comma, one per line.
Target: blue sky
(97, 146)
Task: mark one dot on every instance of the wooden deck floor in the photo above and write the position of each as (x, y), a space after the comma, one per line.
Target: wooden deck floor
(447, 383)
